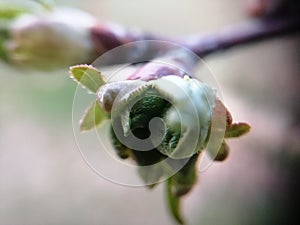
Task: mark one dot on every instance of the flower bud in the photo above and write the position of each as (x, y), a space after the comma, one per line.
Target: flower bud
(184, 105)
(60, 37)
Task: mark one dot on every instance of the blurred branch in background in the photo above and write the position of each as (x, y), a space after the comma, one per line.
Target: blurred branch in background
(106, 37)
(60, 37)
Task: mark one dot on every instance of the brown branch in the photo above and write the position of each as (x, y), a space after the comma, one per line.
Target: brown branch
(107, 37)
(252, 32)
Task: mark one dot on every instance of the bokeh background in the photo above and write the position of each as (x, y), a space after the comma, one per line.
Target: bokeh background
(44, 180)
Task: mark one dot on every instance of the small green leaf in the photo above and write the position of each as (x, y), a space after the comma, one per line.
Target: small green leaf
(222, 153)
(88, 76)
(93, 117)
(237, 130)
(174, 202)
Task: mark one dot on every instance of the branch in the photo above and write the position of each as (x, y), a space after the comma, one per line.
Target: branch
(108, 37)
(64, 37)
(254, 31)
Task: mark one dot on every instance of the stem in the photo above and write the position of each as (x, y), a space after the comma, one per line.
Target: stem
(108, 37)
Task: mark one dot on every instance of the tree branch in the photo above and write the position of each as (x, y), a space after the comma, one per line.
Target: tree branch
(254, 31)
(108, 37)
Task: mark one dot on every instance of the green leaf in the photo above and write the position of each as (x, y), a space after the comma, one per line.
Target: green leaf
(222, 153)
(237, 130)
(93, 117)
(4, 36)
(8, 12)
(88, 76)
(174, 202)
(3, 54)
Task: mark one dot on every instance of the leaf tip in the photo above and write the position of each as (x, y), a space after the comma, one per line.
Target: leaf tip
(237, 130)
(87, 76)
(174, 204)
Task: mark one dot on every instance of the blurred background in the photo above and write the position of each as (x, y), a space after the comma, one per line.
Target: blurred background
(44, 180)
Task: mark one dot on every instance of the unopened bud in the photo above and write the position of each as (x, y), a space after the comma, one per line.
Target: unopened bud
(60, 37)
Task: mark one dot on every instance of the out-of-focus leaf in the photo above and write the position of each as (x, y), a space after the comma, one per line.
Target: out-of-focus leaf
(237, 130)
(93, 117)
(88, 76)
(4, 36)
(174, 202)
(10, 12)
(45, 4)
(3, 54)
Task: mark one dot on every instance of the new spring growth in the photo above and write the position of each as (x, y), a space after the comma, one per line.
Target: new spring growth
(161, 121)
(167, 121)
(51, 39)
